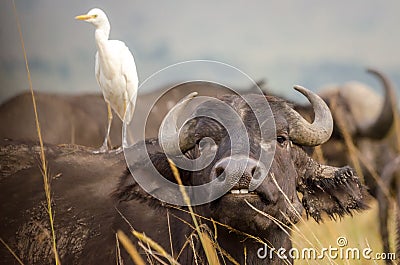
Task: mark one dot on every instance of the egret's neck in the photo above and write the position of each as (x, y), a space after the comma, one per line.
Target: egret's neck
(102, 34)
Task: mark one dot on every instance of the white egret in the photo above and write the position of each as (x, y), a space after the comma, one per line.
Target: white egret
(115, 71)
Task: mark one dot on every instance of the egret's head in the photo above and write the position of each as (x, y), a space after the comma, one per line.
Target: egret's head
(96, 16)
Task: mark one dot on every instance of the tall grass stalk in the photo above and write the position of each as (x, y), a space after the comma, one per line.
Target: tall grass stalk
(230, 228)
(393, 105)
(118, 257)
(12, 252)
(154, 245)
(170, 235)
(151, 244)
(339, 118)
(130, 248)
(354, 153)
(209, 250)
(396, 123)
(295, 227)
(42, 153)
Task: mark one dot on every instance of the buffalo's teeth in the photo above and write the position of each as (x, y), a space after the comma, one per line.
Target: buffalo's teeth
(241, 191)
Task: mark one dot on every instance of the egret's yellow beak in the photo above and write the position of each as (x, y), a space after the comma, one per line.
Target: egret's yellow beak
(85, 17)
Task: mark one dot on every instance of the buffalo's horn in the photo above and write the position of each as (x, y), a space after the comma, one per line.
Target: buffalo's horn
(384, 121)
(170, 139)
(310, 134)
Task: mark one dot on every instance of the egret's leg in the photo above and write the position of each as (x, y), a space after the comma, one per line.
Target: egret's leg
(110, 117)
(104, 147)
(128, 136)
(128, 132)
(121, 148)
(125, 142)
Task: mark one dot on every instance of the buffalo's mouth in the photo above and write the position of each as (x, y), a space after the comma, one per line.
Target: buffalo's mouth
(238, 209)
(262, 195)
(242, 194)
(236, 195)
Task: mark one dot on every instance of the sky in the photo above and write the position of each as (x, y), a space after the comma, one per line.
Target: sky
(309, 43)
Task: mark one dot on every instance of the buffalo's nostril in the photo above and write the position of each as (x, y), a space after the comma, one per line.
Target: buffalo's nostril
(219, 171)
(256, 173)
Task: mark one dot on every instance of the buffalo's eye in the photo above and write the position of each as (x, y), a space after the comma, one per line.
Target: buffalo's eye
(281, 139)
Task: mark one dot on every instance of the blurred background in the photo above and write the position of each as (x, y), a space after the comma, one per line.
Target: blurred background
(311, 43)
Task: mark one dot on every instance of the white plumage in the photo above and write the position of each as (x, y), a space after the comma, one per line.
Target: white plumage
(115, 70)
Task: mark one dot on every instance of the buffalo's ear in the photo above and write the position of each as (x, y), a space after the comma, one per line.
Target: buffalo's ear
(331, 190)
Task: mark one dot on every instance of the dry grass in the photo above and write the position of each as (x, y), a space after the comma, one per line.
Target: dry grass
(209, 249)
(11, 251)
(130, 248)
(43, 161)
(154, 245)
(338, 115)
(361, 231)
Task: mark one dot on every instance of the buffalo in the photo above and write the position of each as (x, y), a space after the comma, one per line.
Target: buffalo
(367, 119)
(64, 119)
(95, 195)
